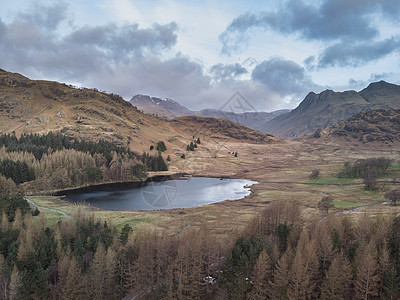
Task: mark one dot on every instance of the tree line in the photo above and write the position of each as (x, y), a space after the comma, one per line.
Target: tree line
(37, 163)
(277, 256)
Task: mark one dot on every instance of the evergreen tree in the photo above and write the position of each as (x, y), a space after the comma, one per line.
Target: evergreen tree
(191, 146)
(161, 146)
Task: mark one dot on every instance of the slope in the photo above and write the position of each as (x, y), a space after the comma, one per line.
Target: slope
(29, 106)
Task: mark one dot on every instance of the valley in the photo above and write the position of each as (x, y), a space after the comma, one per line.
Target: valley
(282, 170)
(305, 205)
(190, 150)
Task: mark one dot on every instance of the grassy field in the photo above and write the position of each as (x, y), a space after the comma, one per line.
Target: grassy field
(282, 170)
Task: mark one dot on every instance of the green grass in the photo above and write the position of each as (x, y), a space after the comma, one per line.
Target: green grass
(332, 180)
(134, 222)
(346, 204)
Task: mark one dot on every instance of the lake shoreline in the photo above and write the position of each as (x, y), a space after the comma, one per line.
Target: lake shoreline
(174, 193)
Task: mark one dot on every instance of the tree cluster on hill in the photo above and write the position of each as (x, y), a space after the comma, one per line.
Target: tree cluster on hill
(362, 167)
(41, 144)
(52, 161)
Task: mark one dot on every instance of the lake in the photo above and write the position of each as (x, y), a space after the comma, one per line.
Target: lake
(163, 193)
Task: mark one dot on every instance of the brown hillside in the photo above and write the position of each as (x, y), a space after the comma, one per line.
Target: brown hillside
(29, 106)
(377, 126)
(223, 127)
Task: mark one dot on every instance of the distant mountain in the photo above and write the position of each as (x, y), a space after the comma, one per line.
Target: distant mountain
(165, 107)
(328, 108)
(366, 127)
(255, 120)
(162, 107)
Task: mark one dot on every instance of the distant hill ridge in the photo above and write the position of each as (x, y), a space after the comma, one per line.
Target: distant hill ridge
(170, 109)
(328, 108)
(314, 112)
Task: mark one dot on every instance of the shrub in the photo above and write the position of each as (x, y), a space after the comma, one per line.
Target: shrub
(315, 174)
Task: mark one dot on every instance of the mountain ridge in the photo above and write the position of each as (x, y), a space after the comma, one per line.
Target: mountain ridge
(170, 109)
(327, 108)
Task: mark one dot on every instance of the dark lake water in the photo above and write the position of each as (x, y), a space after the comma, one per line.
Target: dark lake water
(164, 194)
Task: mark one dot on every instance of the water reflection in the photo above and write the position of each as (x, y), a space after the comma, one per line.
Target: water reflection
(166, 194)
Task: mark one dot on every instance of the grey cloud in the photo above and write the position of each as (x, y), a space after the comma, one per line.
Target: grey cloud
(125, 39)
(374, 77)
(48, 16)
(176, 78)
(125, 59)
(284, 77)
(30, 48)
(227, 72)
(380, 76)
(355, 54)
(327, 20)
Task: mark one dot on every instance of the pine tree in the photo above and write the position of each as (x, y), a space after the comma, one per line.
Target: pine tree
(191, 146)
(391, 284)
(161, 146)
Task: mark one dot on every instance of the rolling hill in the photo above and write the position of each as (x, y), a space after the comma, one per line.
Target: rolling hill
(381, 126)
(36, 106)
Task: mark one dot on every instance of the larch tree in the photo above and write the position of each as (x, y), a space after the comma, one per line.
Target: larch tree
(15, 284)
(335, 285)
(261, 277)
(74, 285)
(367, 278)
(98, 273)
(277, 288)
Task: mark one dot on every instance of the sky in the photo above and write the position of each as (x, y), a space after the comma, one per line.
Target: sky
(200, 53)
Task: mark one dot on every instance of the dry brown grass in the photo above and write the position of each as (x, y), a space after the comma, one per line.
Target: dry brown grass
(282, 171)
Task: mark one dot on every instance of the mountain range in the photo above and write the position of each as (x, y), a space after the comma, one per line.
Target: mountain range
(168, 108)
(314, 112)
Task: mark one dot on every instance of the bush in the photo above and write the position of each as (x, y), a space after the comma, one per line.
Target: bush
(315, 174)
(370, 182)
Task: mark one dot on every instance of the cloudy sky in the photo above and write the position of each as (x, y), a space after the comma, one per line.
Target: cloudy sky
(201, 52)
